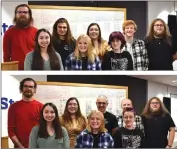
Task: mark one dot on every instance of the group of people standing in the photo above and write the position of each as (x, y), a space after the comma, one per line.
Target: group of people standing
(34, 125)
(39, 50)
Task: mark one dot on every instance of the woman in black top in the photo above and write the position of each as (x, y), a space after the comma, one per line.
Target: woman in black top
(62, 39)
(116, 59)
(128, 136)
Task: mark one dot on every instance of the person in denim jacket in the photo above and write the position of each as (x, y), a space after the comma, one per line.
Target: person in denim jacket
(83, 58)
(95, 135)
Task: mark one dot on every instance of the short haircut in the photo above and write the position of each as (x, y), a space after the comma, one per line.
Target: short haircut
(27, 79)
(129, 22)
(118, 36)
(129, 110)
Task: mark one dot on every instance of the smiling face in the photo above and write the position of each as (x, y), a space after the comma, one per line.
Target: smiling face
(94, 32)
(102, 104)
(72, 106)
(49, 114)
(129, 30)
(95, 121)
(83, 45)
(28, 89)
(44, 39)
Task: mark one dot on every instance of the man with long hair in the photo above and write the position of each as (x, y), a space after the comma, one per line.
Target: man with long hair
(158, 124)
(62, 39)
(23, 115)
(19, 39)
(160, 46)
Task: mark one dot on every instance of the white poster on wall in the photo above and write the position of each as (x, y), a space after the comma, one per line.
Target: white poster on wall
(87, 95)
(79, 18)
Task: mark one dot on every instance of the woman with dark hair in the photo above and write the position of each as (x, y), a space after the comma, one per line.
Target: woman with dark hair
(44, 56)
(128, 136)
(73, 120)
(100, 45)
(62, 39)
(117, 59)
(49, 133)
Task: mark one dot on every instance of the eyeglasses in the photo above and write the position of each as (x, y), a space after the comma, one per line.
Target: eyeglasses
(20, 12)
(153, 103)
(99, 103)
(159, 25)
(28, 86)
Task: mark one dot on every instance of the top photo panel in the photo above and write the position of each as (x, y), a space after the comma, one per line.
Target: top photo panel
(91, 35)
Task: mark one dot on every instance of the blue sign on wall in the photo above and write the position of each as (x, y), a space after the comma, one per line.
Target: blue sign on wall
(5, 27)
(6, 102)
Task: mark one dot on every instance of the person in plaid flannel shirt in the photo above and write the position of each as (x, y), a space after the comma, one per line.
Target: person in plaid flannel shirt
(127, 103)
(95, 135)
(136, 47)
(83, 58)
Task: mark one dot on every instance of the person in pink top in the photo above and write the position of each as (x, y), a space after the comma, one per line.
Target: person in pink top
(19, 39)
(23, 115)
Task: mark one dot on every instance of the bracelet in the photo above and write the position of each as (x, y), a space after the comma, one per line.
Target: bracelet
(169, 145)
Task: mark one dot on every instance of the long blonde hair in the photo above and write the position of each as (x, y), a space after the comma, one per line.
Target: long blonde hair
(147, 113)
(150, 33)
(90, 53)
(100, 114)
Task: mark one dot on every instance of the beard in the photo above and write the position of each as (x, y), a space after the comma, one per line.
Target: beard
(155, 112)
(28, 94)
(22, 22)
(159, 35)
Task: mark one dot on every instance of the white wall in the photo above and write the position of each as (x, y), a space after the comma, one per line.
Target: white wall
(10, 90)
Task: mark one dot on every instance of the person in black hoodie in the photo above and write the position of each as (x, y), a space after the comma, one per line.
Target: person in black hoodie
(62, 39)
(117, 59)
(128, 136)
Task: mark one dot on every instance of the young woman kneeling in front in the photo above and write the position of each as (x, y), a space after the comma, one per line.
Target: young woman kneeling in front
(117, 59)
(128, 136)
(49, 133)
(95, 135)
(83, 58)
(44, 57)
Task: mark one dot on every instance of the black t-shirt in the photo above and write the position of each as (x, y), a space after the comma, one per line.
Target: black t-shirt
(117, 61)
(96, 138)
(125, 138)
(84, 63)
(110, 121)
(156, 130)
(64, 49)
(160, 54)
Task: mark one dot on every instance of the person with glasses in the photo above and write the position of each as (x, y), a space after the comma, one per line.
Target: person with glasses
(128, 136)
(109, 118)
(19, 39)
(159, 127)
(23, 115)
(160, 46)
(127, 103)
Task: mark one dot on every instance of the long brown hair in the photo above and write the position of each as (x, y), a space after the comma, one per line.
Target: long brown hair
(38, 62)
(147, 113)
(67, 117)
(55, 36)
(42, 133)
(150, 33)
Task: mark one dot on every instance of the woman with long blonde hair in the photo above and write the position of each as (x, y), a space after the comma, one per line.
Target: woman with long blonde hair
(95, 135)
(83, 58)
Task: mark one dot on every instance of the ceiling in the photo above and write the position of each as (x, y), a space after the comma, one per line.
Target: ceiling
(164, 79)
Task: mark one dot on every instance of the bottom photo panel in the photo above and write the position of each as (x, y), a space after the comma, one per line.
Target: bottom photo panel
(89, 111)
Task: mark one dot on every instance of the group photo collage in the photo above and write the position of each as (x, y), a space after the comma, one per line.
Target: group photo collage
(89, 74)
